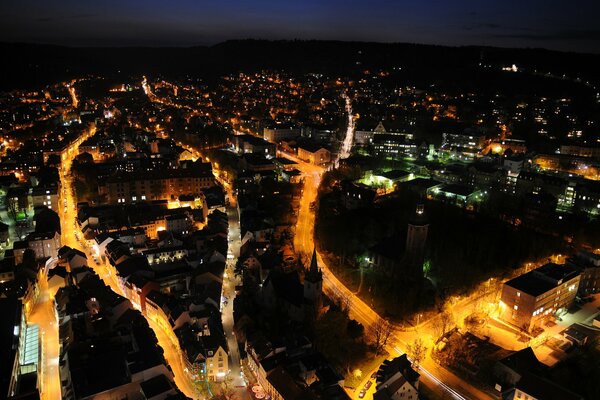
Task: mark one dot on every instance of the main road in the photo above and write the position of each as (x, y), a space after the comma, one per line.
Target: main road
(70, 237)
(437, 378)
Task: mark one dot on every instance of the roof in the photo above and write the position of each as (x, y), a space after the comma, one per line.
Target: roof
(399, 364)
(285, 385)
(544, 389)
(522, 361)
(543, 279)
(311, 147)
(286, 286)
(395, 174)
(387, 390)
(254, 140)
(457, 189)
(155, 386)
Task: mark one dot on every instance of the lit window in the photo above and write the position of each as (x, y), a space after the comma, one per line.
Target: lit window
(518, 294)
(516, 307)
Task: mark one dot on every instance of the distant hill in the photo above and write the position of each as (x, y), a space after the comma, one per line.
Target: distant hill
(34, 65)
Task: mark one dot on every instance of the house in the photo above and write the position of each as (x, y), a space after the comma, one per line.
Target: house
(397, 380)
(72, 257)
(57, 278)
(509, 370)
(396, 388)
(401, 364)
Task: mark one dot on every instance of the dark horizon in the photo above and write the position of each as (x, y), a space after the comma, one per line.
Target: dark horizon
(532, 24)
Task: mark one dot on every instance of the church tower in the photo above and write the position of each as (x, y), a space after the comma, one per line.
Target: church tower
(313, 283)
(416, 237)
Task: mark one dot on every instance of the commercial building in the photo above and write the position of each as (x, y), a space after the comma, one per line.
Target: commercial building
(530, 299)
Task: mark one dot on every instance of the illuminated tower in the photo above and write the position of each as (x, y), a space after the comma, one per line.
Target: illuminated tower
(416, 237)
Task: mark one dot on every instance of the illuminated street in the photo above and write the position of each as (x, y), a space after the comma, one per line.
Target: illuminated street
(71, 238)
(440, 380)
(44, 315)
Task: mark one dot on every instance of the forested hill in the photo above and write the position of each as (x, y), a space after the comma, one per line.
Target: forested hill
(32, 65)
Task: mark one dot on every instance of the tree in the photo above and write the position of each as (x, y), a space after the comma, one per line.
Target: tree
(381, 331)
(417, 352)
(355, 329)
(443, 323)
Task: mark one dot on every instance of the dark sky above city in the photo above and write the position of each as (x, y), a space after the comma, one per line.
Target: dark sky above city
(554, 24)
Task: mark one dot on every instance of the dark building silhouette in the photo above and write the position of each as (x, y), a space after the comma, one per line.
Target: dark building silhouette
(313, 283)
(416, 237)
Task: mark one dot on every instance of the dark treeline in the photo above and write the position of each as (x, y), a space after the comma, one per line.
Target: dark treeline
(32, 65)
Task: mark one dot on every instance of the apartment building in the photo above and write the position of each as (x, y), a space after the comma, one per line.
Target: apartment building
(530, 299)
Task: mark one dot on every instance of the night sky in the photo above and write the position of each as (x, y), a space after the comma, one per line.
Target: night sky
(563, 25)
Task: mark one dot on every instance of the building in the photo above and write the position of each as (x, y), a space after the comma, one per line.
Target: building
(284, 291)
(465, 146)
(388, 258)
(532, 298)
(589, 266)
(581, 151)
(20, 354)
(168, 184)
(356, 195)
(534, 387)
(397, 380)
(277, 134)
(45, 196)
(314, 154)
(244, 144)
(416, 238)
(458, 195)
(393, 145)
(45, 244)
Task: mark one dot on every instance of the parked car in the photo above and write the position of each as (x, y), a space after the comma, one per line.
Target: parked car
(362, 394)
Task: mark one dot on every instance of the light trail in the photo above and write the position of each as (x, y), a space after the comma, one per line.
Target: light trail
(349, 139)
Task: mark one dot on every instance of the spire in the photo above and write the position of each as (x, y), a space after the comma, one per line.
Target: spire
(314, 274)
